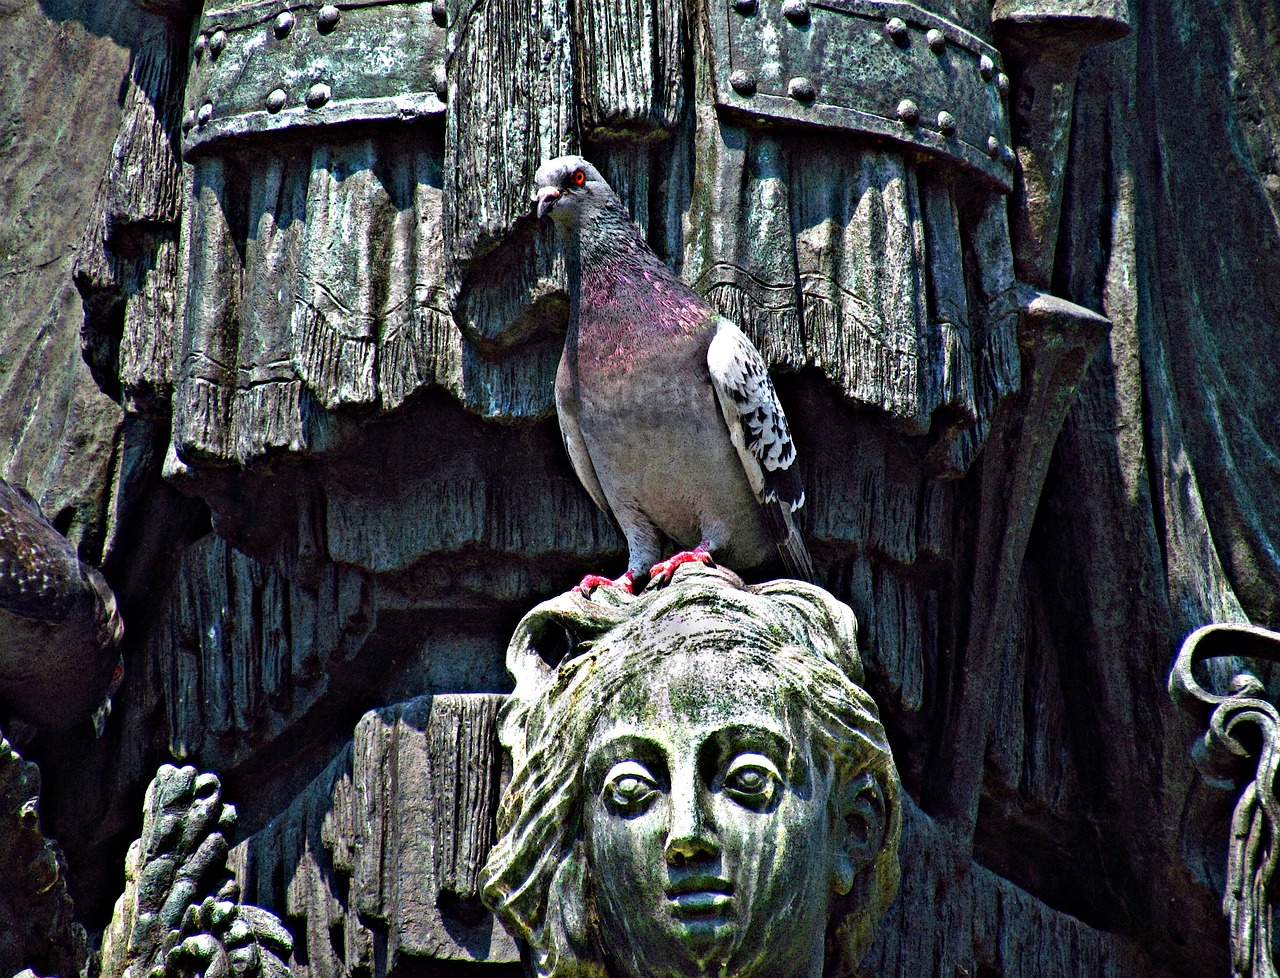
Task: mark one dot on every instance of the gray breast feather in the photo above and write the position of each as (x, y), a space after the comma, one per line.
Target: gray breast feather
(754, 415)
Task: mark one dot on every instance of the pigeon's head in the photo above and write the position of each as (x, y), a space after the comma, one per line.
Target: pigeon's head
(570, 189)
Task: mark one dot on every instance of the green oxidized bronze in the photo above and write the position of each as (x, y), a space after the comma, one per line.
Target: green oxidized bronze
(261, 67)
(700, 784)
(887, 69)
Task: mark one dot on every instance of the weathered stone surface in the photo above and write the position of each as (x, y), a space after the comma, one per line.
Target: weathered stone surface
(375, 864)
(60, 118)
(631, 66)
(954, 918)
(438, 492)
(39, 927)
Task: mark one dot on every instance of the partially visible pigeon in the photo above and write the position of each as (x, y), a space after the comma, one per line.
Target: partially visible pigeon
(60, 631)
(666, 407)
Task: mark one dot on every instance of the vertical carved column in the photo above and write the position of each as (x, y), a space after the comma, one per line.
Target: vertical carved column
(1044, 41)
(375, 864)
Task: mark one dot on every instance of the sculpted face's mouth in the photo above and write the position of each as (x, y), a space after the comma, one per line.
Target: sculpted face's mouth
(697, 895)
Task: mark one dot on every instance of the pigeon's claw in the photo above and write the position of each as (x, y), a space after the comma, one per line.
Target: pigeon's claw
(592, 581)
(701, 554)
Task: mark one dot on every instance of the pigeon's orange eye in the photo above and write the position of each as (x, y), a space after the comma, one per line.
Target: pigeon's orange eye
(579, 178)
(116, 673)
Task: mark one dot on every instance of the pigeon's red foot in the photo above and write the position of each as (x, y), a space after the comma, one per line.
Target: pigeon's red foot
(701, 554)
(592, 581)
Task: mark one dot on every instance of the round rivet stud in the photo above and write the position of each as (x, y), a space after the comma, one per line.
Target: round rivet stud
(908, 112)
(218, 43)
(937, 40)
(993, 147)
(202, 45)
(796, 11)
(743, 82)
(205, 114)
(743, 7)
(189, 120)
(284, 24)
(318, 94)
(986, 68)
(1002, 83)
(440, 13)
(440, 82)
(276, 100)
(896, 28)
(801, 89)
(1007, 156)
(946, 123)
(328, 17)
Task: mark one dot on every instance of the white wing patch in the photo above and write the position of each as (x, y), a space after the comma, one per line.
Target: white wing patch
(751, 409)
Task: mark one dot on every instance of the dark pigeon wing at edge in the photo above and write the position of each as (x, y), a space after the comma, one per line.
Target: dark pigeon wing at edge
(39, 571)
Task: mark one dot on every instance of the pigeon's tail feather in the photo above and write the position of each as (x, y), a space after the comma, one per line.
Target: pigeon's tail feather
(786, 537)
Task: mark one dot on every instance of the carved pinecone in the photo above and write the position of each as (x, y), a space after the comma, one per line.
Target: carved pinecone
(179, 914)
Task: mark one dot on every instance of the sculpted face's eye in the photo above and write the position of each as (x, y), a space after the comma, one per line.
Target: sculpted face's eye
(629, 788)
(579, 178)
(752, 780)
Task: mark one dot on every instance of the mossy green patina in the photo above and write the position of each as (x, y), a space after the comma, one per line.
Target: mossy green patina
(701, 786)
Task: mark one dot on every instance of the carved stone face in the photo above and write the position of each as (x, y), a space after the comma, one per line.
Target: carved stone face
(710, 834)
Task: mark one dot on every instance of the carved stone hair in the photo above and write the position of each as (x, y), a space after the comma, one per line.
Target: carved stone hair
(573, 656)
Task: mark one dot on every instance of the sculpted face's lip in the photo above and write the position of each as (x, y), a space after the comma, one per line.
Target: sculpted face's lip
(706, 902)
(700, 894)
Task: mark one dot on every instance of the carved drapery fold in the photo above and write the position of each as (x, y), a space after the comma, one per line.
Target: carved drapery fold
(849, 259)
(126, 267)
(376, 861)
(314, 280)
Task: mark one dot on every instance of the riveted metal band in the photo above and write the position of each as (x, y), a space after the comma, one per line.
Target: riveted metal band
(853, 64)
(265, 66)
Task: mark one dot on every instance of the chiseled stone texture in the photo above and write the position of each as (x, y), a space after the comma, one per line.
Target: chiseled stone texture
(375, 864)
(39, 927)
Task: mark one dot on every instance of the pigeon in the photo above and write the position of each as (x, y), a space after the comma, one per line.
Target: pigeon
(666, 407)
(60, 630)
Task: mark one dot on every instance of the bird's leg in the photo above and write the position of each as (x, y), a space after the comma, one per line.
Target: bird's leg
(700, 554)
(591, 581)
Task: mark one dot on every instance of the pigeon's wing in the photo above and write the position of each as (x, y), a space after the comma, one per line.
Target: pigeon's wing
(756, 423)
(39, 571)
(581, 458)
(760, 433)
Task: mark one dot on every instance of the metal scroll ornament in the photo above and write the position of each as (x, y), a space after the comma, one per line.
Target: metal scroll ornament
(879, 67)
(264, 66)
(1241, 743)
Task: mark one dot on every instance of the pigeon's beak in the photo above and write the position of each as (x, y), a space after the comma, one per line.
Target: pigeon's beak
(100, 717)
(546, 198)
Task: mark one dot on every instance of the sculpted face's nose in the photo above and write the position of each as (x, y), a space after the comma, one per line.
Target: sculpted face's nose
(692, 834)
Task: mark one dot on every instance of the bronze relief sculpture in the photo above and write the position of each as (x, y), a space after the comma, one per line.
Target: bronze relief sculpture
(700, 784)
(315, 299)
